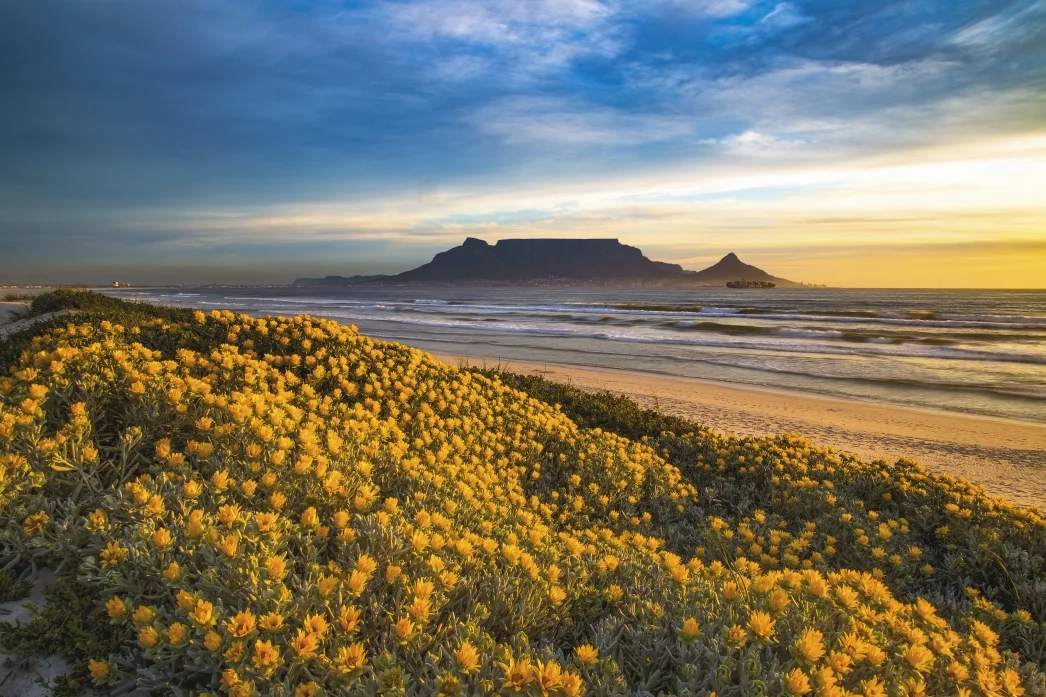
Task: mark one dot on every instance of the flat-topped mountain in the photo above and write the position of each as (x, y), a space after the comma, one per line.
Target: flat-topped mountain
(577, 260)
(527, 260)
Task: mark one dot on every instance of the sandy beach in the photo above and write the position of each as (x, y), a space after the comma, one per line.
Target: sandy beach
(1007, 458)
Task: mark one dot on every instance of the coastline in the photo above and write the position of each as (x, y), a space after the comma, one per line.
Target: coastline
(1007, 458)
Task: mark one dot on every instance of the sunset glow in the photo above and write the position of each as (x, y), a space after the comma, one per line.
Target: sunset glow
(841, 146)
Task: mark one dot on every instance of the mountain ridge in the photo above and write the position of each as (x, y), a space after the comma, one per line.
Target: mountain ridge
(531, 259)
(339, 280)
(586, 260)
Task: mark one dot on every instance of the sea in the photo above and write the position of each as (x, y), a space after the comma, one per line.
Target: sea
(970, 351)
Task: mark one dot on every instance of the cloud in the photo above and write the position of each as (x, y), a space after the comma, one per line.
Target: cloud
(784, 15)
(1014, 25)
(159, 126)
(574, 124)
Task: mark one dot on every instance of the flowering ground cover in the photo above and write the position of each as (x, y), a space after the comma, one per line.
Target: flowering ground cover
(283, 506)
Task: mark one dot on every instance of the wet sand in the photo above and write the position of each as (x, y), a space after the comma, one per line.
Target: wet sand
(1007, 458)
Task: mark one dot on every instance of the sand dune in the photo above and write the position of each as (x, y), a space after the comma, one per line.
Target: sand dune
(1007, 458)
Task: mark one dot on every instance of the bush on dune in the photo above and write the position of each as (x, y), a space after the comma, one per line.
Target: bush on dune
(283, 506)
(16, 297)
(931, 536)
(66, 299)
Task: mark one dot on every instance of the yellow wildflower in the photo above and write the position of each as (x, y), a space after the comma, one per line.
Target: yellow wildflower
(265, 655)
(99, 670)
(176, 633)
(304, 644)
(241, 624)
(796, 682)
(116, 607)
(271, 621)
(468, 658)
(761, 626)
(351, 660)
(148, 637)
(586, 654)
(203, 613)
(810, 645)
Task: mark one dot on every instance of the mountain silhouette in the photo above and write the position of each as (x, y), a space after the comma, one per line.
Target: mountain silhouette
(338, 280)
(528, 260)
(536, 260)
(730, 268)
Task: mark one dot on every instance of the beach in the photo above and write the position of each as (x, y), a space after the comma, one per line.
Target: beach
(1007, 458)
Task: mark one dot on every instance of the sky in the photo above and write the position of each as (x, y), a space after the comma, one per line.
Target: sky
(848, 143)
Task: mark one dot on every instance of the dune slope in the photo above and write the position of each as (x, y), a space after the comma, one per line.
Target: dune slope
(283, 506)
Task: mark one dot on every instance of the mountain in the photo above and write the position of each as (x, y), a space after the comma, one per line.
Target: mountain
(730, 268)
(581, 260)
(337, 280)
(529, 260)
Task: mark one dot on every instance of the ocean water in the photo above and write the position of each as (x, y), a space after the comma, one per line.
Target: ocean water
(981, 352)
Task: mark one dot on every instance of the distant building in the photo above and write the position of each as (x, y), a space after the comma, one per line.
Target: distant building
(116, 284)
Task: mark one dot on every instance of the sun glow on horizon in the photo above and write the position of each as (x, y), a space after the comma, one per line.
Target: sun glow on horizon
(971, 216)
(304, 139)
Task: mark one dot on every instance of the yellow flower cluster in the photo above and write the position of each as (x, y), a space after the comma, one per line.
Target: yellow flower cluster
(283, 506)
(923, 535)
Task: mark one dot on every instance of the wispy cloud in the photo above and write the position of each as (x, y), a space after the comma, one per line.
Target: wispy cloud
(202, 125)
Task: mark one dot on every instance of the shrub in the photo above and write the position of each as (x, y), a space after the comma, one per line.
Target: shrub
(284, 506)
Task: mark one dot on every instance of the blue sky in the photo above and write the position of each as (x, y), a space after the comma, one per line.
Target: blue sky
(212, 140)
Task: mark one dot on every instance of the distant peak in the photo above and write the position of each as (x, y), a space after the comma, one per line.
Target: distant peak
(474, 242)
(730, 257)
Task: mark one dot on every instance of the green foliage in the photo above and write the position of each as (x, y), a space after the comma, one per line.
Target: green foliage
(72, 625)
(11, 588)
(603, 409)
(71, 299)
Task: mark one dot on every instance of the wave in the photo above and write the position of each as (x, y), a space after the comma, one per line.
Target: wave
(858, 334)
(911, 318)
(1026, 392)
(656, 308)
(861, 331)
(896, 319)
(740, 329)
(765, 342)
(300, 301)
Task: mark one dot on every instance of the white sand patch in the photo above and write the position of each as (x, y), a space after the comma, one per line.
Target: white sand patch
(20, 676)
(8, 309)
(19, 325)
